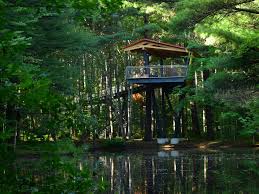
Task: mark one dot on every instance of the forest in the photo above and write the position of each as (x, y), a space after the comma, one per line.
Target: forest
(62, 64)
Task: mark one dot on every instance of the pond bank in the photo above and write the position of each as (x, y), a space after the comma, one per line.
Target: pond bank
(68, 148)
(152, 145)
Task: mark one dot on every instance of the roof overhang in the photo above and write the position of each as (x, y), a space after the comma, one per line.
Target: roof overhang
(157, 48)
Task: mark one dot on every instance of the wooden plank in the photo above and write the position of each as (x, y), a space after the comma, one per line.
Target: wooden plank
(143, 41)
(143, 47)
(168, 49)
(147, 43)
(136, 47)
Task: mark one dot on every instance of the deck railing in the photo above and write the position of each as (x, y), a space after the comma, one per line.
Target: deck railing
(163, 71)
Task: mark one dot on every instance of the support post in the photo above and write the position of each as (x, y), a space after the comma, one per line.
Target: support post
(148, 130)
(163, 121)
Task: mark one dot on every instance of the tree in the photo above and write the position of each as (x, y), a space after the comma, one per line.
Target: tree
(228, 64)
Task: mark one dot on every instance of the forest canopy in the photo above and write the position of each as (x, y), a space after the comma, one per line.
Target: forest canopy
(61, 62)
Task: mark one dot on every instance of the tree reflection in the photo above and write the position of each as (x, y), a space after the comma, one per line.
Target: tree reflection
(53, 174)
(181, 172)
(138, 173)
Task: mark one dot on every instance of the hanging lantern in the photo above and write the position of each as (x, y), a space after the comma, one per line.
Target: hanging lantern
(138, 98)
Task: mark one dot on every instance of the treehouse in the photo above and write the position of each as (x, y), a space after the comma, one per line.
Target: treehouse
(156, 74)
(155, 77)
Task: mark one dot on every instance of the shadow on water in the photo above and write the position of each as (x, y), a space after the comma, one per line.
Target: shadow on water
(48, 173)
(232, 171)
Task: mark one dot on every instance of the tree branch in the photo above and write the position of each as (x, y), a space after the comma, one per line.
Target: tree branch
(246, 10)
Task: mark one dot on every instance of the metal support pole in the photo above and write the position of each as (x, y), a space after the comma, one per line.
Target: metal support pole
(163, 121)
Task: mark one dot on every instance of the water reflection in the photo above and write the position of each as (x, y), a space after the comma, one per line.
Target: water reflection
(179, 172)
(48, 174)
(173, 172)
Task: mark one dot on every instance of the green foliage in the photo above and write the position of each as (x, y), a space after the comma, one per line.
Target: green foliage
(223, 38)
(150, 28)
(191, 13)
(113, 143)
(251, 121)
(59, 59)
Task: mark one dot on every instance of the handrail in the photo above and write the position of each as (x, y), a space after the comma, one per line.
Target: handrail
(159, 71)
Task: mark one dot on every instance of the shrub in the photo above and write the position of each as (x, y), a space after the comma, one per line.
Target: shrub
(114, 143)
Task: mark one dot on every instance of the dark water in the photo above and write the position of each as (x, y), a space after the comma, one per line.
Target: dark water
(233, 171)
(173, 172)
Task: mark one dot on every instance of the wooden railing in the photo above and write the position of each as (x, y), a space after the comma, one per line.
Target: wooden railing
(163, 71)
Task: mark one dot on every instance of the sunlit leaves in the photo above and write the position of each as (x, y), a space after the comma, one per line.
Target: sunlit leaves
(195, 12)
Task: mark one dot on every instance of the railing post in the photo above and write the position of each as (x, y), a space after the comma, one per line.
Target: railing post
(164, 71)
(146, 62)
(161, 67)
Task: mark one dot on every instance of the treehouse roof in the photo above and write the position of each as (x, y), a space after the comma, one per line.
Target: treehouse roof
(157, 48)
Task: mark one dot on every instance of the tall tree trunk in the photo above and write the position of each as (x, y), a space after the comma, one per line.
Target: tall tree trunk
(148, 127)
(110, 96)
(11, 121)
(125, 116)
(195, 119)
(208, 112)
(119, 114)
(163, 120)
(184, 122)
(148, 130)
(3, 115)
(156, 114)
(177, 132)
(209, 122)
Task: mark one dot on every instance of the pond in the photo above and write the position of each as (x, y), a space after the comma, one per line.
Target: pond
(135, 172)
(232, 171)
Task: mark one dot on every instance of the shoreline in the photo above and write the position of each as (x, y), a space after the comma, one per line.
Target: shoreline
(131, 146)
(185, 145)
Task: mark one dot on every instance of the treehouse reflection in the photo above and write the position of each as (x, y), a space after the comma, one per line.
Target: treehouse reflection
(179, 172)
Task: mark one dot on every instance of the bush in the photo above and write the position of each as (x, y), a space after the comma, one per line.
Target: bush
(114, 143)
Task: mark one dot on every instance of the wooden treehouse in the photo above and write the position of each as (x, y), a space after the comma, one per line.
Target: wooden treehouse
(160, 77)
